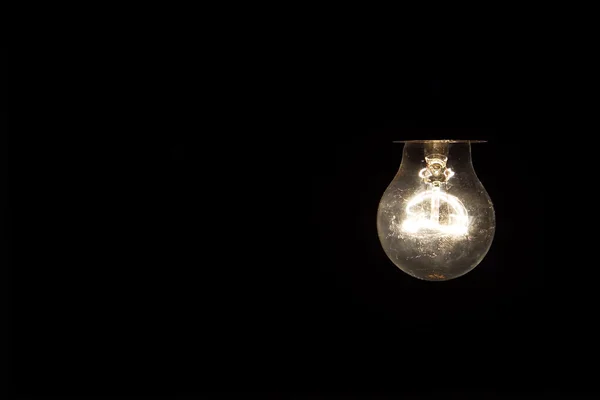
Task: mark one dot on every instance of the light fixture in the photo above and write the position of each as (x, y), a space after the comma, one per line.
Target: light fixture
(435, 220)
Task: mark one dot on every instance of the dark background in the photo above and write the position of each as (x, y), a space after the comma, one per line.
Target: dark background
(229, 244)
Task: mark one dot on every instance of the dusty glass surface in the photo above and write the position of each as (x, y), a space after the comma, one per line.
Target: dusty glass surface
(436, 220)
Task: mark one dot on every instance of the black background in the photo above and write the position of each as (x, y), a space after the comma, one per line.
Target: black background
(230, 244)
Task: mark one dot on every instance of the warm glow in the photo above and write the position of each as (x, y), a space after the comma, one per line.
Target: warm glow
(436, 211)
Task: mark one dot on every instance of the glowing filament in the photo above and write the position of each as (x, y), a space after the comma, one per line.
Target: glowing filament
(420, 217)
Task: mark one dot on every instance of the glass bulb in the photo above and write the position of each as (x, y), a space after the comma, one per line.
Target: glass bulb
(435, 220)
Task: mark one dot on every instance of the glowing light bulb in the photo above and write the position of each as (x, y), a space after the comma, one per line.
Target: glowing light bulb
(435, 220)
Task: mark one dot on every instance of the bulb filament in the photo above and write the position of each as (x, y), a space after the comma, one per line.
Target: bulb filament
(434, 211)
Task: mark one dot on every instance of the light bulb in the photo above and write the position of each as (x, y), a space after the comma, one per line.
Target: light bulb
(435, 220)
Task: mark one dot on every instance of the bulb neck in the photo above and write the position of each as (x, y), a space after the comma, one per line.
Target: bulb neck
(436, 149)
(436, 157)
